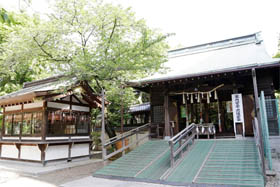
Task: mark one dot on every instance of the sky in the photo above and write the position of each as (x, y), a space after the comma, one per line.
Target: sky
(198, 21)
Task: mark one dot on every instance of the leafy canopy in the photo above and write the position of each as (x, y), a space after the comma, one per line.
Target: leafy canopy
(93, 40)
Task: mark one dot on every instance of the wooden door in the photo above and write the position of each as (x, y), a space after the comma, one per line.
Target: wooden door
(173, 116)
(248, 106)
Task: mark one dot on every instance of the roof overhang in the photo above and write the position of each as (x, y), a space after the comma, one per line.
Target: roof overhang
(25, 98)
(144, 83)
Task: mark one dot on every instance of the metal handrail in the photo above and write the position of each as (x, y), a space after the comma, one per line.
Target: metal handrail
(258, 144)
(184, 137)
(122, 137)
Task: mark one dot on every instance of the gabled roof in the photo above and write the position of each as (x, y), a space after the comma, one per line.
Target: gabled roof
(41, 86)
(48, 88)
(210, 58)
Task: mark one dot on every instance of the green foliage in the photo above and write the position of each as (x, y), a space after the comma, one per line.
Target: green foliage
(118, 98)
(95, 41)
(96, 138)
(17, 62)
(278, 54)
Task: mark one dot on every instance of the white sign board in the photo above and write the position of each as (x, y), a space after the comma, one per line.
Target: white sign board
(237, 108)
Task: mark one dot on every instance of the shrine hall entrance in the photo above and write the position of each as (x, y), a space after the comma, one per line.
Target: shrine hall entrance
(213, 111)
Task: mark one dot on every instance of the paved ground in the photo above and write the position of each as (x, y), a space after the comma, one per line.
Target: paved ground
(99, 182)
(274, 181)
(50, 176)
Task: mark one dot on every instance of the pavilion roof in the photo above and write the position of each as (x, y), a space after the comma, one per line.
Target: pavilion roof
(49, 87)
(143, 107)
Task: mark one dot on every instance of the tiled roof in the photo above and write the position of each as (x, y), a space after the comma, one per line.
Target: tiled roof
(49, 84)
(221, 56)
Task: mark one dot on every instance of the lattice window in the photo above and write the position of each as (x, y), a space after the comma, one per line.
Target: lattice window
(83, 124)
(158, 114)
(68, 123)
(269, 103)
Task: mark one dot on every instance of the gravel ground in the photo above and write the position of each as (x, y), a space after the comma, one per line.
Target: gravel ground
(274, 181)
(52, 179)
(67, 175)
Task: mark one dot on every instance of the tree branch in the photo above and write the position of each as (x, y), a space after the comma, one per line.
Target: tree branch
(41, 47)
(47, 53)
(111, 36)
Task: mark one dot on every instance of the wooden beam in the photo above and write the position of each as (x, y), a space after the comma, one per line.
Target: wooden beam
(77, 99)
(90, 102)
(17, 99)
(44, 126)
(3, 124)
(166, 116)
(59, 96)
(20, 127)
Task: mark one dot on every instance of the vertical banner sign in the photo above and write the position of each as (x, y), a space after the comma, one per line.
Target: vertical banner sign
(237, 109)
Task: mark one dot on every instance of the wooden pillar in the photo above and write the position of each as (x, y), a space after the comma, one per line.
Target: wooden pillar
(45, 121)
(42, 148)
(258, 115)
(222, 115)
(206, 109)
(219, 116)
(187, 113)
(20, 127)
(103, 126)
(3, 124)
(166, 116)
(192, 111)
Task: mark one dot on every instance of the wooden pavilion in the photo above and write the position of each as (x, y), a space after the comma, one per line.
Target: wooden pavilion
(200, 81)
(140, 114)
(48, 120)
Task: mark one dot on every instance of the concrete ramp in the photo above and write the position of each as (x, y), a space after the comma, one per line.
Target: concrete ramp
(233, 162)
(213, 162)
(135, 162)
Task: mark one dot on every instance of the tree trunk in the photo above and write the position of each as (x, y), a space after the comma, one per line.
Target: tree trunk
(110, 130)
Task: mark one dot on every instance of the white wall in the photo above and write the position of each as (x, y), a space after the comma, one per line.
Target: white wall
(30, 152)
(80, 150)
(56, 152)
(9, 151)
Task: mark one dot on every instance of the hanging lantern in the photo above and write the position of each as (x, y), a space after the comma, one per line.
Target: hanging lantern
(210, 94)
(184, 98)
(208, 97)
(216, 96)
(191, 98)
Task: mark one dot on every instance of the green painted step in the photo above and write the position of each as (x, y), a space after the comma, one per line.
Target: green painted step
(188, 168)
(233, 162)
(135, 161)
(228, 162)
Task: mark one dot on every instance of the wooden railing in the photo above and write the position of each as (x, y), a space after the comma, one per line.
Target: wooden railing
(183, 138)
(122, 138)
